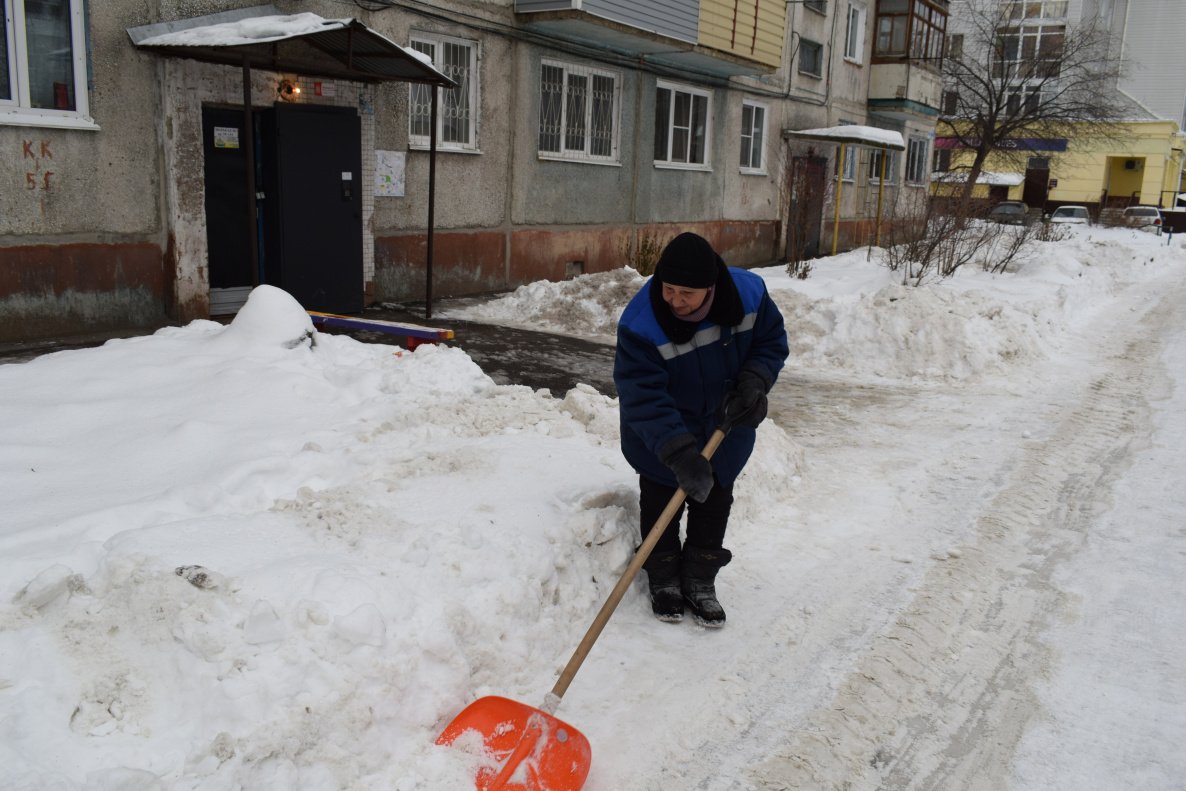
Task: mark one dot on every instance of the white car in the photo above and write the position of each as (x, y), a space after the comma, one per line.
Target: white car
(1147, 218)
(1071, 214)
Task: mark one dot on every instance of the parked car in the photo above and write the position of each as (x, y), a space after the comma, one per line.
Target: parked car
(1071, 214)
(1147, 218)
(1009, 212)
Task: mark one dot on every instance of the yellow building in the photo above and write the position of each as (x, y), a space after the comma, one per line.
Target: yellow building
(1141, 166)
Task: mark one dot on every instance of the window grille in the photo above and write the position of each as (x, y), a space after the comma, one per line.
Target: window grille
(578, 112)
(457, 107)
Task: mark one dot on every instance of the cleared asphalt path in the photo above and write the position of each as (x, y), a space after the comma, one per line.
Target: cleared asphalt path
(508, 356)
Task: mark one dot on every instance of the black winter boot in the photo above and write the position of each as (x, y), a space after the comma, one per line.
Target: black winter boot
(663, 576)
(700, 567)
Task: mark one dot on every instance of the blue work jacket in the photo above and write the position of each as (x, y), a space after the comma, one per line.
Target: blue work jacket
(667, 389)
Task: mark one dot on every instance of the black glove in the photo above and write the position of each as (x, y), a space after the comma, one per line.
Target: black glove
(746, 406)
(692, 471)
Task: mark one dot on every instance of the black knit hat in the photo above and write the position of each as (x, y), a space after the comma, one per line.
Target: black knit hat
(689, 261)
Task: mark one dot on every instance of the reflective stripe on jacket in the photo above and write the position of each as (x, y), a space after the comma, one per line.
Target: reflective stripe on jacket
(667, 389)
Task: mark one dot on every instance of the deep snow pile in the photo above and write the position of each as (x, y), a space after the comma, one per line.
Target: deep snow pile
(853, 314)
(588, 306)
(259, 557)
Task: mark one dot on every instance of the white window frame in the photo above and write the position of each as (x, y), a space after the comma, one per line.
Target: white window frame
(677, 88)
(584, 154)
(854, 35)
(918, 159)
(891, 165)
(422, 142)
(18, 110)
(748, 135)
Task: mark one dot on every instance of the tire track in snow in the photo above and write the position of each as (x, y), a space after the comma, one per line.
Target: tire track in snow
(941, 698)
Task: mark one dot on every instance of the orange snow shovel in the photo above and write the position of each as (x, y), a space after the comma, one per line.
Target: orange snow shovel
(538, 752)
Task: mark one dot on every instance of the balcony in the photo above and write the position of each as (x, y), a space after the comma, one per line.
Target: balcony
(718, 38)
(904, 91)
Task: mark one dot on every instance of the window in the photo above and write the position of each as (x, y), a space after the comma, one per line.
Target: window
(1034, 9)
(951, 102)
(1023, 99)
(753, 136)
(578, 112)
(912, 29)
(854, 40)
(811, 59)
(43, 64)
(850, 157)
(1029, 52)
(816, 5)
(682, 117)
(942, 160)
(916, 160)
(457, 108)
(891, 165)
(955, 46)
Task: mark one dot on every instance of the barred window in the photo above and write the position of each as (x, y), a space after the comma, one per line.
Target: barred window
(456, 107)
(578, 112)
(753, 133)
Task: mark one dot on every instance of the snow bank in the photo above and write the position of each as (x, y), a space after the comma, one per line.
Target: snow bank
(853, 314)
(588, 306)
(256, 556)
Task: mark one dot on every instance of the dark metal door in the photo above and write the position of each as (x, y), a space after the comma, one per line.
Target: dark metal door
(228, 237)
(809, 185)
(1037, 182)
(312, 206)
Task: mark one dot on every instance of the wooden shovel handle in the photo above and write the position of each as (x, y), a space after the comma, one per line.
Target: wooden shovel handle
(619, 590)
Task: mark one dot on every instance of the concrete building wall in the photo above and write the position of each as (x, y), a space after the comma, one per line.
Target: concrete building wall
(81, 234)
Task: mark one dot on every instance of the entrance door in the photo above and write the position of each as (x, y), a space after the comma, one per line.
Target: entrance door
(1037, 182)
(228, 233)
(312, 205)
(809, 185)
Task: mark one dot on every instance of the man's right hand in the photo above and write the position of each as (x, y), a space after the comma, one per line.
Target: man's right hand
(692, 471)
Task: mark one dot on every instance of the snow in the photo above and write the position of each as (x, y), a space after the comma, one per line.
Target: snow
(258, 556)
(985, 177)
(254, 30)
(263, 29)
(852, 133)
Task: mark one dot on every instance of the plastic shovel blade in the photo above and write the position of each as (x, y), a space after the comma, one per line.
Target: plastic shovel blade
(535, 751)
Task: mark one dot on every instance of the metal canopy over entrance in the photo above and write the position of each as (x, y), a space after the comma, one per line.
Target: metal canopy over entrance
(858, 137)
(305, 44)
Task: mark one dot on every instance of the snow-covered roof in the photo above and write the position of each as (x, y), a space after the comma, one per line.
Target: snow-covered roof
(851, 134)
(255, 30)
(985, 177)
(365, 53)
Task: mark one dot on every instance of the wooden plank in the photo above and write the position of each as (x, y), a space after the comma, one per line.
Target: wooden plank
(377, 325)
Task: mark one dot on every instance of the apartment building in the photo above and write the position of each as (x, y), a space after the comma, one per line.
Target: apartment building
(1139, 161)
(164, 162)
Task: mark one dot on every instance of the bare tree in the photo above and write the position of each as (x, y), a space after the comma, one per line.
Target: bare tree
(1018, 72)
